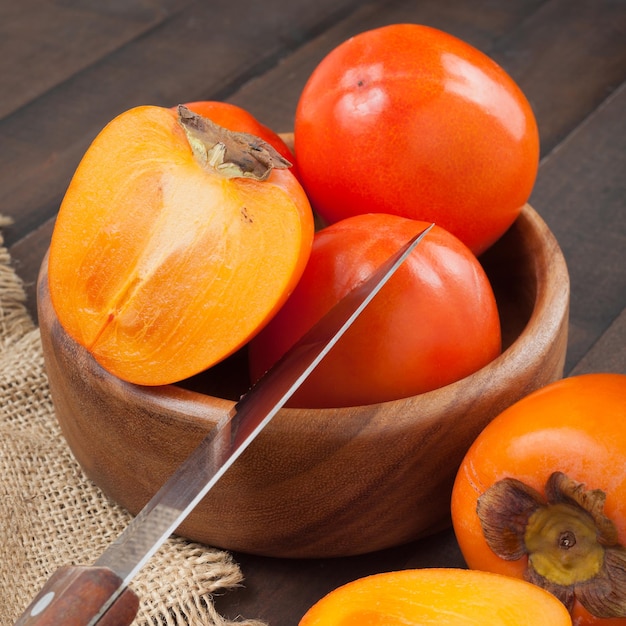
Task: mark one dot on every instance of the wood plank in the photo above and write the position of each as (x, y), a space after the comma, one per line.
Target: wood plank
(580, 194)
(26, 256)
(51, 41)
(608, 354)
(568, 57)
(280, 590)
(205, 51)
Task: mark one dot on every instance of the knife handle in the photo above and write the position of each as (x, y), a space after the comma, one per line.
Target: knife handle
(73, 595)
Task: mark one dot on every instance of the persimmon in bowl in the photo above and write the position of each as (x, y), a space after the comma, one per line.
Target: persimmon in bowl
(316, 482)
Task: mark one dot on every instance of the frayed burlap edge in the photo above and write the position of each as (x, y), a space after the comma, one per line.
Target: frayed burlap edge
(14, 320)
(52, 515)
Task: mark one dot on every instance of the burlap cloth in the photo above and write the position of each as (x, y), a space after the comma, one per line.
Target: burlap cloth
(52, 515)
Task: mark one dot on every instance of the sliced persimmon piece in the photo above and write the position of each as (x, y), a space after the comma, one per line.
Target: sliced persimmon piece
(438, 596)
(164, 260)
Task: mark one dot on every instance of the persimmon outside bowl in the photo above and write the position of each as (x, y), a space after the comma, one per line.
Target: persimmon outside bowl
(324, 482)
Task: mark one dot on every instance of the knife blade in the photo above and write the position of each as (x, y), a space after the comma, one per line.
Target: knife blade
(99, 594)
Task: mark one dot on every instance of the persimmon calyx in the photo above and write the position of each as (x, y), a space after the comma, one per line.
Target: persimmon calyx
(229, 153)
(571, 545)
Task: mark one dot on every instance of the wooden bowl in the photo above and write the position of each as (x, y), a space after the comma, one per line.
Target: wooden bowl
(316, 483)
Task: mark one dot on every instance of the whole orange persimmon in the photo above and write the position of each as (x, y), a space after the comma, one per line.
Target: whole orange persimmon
(176, 241)
(407, 119)
(541, 495)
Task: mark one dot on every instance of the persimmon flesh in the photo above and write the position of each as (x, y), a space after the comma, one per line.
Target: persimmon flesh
(437, 596)
(164, 259)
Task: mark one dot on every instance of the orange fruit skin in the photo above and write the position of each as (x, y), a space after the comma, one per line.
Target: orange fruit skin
(407, 119)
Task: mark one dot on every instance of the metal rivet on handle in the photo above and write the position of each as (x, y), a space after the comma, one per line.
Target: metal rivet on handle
(42, 603)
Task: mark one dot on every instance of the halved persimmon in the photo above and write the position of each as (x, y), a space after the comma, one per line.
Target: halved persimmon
(437, 596)
(176, 242)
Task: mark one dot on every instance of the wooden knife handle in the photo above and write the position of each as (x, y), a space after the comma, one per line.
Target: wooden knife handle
(74, 595)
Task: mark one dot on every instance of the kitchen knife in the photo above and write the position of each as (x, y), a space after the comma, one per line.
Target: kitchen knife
(99, 594)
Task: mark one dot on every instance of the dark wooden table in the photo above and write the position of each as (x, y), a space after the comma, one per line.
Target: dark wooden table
(69, 66)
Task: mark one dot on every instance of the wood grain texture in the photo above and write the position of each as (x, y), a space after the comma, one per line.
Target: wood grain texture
(64, 38)
(608, 354)
(319, 483)
(580, 192)
(567, 57)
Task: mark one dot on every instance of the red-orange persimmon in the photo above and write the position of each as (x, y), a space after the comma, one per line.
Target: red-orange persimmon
(410, 120)
(541, 495)
(435, 322)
